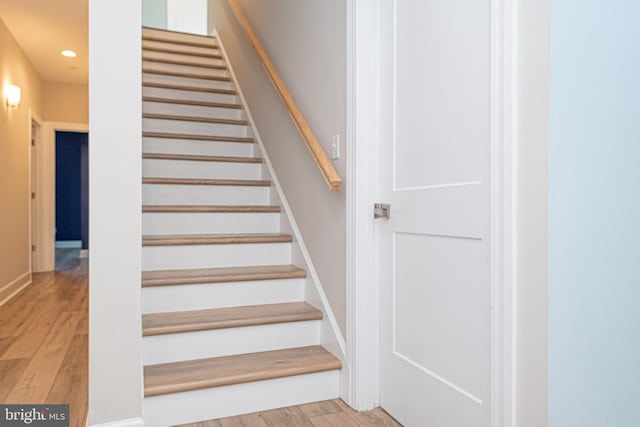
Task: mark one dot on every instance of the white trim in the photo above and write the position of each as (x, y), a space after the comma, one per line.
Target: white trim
(363, 147)
(326, 307)
(68, 244)
(12, 288)
(131, 422)
(34, 256)
(504, 19)
(172, 14)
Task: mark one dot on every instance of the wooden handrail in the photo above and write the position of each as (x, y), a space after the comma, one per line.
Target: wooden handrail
(328, 171)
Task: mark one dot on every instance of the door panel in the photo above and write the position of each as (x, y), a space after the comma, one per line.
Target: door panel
(435, 249)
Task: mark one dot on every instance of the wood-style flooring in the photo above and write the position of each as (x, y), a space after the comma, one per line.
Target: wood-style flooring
(332, 413)
(43, 339)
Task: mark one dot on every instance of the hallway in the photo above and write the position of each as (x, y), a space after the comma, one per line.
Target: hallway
(43, 339)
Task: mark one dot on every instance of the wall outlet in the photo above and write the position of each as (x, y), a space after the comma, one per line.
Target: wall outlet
(335, 147)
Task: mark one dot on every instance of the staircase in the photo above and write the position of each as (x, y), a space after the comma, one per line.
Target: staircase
(226, 329)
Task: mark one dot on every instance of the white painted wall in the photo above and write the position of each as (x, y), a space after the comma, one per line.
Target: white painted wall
(154, 13)
(533, 210)
(306, 40)
(188, 16)
(115, 360)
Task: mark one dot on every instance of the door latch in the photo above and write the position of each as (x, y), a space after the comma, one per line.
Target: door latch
(381, 210)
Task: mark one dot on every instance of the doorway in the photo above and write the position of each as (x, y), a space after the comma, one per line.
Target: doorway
(71, 197)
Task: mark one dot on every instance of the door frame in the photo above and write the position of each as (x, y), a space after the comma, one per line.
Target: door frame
(34, 220)
(46, 178)
(363, 329)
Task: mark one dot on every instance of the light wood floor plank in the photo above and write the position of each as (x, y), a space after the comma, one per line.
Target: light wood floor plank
(35, 383)
(286, 417)
(72, 376)
(10, 372)
(320, 408)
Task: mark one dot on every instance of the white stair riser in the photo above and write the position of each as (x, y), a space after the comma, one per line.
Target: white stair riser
(163, 299)
(178, 36)
(219, 402)
(229, 341)
(185, 81)
(160, 194)
(150, 55)
(214, 256)
(207, 223)
(204, 148)
(200, 169)
(176, 68)
(191, 110)
(188, 95)
(193, 128)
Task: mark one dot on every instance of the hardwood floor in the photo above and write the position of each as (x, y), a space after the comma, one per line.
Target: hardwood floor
(43, 339)
(332, 413)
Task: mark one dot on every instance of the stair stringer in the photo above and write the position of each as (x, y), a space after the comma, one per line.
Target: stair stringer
(330, 335)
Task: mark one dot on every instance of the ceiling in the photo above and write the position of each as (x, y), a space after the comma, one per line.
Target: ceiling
(44, 28)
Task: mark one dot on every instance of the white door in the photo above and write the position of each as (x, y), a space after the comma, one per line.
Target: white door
(435, 249)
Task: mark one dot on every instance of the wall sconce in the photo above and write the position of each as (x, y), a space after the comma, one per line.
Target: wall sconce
(12, 95)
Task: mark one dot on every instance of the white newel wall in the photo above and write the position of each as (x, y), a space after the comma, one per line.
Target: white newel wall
(115, 360)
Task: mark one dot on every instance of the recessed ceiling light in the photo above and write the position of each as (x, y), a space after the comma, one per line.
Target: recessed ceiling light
(69, 53)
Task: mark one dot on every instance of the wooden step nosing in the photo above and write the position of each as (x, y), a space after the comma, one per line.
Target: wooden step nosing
(231, 324)
(188, 88)
(180, 42)
(181, 33)
(211, 209)
(185, 75)
(181, 52)
(184, 63)
(193, 137)
(256, 276)
(191, 240)
(195, 119)
(203, 158)
(220, 279)
(194, 103)
(208, 182)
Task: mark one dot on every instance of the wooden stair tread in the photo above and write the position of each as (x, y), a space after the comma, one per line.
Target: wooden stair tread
(221, 371)
(221, 275)
(195, 119)
(210, 209)
(192, 137)
(191, 102)
(229, 317)
(214, 239)
(203, 181)
(185, 75)
(150, 30)
(185, 63)
(205, 45)
(148, 48)
(189, 88)
(201, 158)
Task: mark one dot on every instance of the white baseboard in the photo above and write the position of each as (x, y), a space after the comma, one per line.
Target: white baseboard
(68, 244)
(12, 288)
(131, 422)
